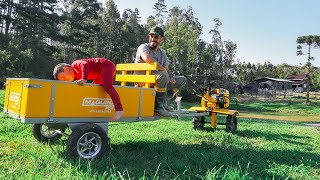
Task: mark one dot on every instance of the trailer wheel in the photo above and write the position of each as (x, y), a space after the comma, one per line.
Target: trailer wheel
(88, 141)
(231, 123)
(198, 123)
(44, 134)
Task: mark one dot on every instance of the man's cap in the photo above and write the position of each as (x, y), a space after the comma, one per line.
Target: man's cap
(158, 31)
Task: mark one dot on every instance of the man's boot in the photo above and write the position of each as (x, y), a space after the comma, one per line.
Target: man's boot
(165, 104)
(159, 109)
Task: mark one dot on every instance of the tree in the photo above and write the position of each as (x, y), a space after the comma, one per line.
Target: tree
(316, 79)
(219, 51)
(131, 36)
(30, 29)
(228, 59)
(151, 22)
(80, 27)
(311, 41)
(111, 23)
(6, 11)
(183, 32)
(159, 9)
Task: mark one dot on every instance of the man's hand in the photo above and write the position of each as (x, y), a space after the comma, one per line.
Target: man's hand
(149, 59)
(161, 68)
(81, 81)
(172, 81)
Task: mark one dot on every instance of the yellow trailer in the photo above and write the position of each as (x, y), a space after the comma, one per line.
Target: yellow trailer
(52, 106)
(50, 101)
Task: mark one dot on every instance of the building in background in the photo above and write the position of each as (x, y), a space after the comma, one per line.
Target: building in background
(272, 87)
(299, 82)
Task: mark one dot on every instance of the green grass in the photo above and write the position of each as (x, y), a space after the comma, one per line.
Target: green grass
(168, 149)
(1, 99)
(294, 106)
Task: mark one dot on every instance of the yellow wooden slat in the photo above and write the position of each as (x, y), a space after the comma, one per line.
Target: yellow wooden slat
(124, 83)
(136, 78)
(136, 67)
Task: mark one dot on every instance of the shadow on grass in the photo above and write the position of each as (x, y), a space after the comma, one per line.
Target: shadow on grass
(293, 139)
(269, 121)
(168, 160)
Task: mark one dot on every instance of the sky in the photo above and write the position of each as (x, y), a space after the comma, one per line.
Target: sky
(264, 31)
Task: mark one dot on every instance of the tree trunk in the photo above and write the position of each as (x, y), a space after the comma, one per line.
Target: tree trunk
(8, 19)
(308, 76)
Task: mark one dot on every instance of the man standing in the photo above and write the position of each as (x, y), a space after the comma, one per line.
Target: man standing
(152, 53)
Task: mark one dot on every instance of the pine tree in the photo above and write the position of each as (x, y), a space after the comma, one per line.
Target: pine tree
(159, 10)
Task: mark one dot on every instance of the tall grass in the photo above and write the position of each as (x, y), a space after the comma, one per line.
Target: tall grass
(169, 149)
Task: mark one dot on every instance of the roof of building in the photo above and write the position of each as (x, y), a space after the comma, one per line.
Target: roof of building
(297, 76)
(273, 79)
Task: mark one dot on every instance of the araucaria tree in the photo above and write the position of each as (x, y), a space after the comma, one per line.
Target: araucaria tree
(310, 41)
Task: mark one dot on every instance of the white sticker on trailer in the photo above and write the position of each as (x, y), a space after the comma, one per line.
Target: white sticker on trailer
(97, 102)
(14, 97)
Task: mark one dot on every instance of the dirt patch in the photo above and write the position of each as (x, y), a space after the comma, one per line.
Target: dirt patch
(297, 118)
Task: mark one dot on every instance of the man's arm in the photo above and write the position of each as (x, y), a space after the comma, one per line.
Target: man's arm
(149, 59)
(171, 79)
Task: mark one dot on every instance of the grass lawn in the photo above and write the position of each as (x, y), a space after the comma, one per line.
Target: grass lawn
(168, 149)
(279, 109)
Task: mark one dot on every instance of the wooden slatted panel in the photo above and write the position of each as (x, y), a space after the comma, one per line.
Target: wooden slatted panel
(136, 67)
(124, 83)
(136, 78)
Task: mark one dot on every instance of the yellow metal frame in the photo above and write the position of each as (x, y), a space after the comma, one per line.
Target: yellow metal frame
(124, 77)
(209, 104)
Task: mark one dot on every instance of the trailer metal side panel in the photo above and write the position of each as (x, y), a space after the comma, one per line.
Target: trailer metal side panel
(32, 99)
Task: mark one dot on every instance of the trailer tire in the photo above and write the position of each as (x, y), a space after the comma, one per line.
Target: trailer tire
(231, 123)
(88, 141)
(44, 134)
(198, 123)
